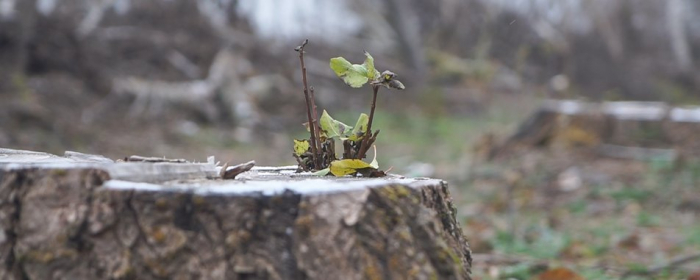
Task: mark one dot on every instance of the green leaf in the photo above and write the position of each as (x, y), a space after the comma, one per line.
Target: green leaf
(331, 127)
(352, 74)
(344, 167)
(301, 146)
(360, 128)
(372, 73)
(322, 172)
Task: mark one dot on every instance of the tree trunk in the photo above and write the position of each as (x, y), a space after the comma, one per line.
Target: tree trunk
(16, 35)
(77, 223)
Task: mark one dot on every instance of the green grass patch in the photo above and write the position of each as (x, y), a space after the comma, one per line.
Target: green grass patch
(547, 244)
(578, 207)
(648, 219)
(631, 194)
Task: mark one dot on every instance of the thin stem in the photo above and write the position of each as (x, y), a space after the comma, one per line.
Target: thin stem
(375, 89)
(312, 125)
(364, 145)
(317, 131)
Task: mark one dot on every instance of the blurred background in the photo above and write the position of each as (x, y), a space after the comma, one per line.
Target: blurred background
(193, 78)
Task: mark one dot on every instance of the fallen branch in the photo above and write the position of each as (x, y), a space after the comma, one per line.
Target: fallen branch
(673, 264)
(508, 260)
(636, 153)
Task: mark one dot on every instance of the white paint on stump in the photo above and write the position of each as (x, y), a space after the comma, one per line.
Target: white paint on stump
(626, 110)
(269, 187)
(201, 178)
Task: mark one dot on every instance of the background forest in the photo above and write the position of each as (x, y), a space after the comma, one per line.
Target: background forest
(189, 79)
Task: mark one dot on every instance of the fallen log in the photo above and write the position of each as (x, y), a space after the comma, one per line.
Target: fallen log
(78, 222)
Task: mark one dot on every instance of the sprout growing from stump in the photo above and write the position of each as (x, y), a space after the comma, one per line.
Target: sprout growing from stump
(356, 75)
(318, 153)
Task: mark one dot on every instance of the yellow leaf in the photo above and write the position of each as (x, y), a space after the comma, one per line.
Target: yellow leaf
(344, 167)
(301, 146)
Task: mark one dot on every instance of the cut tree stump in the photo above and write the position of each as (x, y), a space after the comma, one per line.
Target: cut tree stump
(623, 129)
(81, 217)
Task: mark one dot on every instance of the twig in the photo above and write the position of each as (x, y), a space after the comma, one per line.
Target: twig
(508, 260)
(636, 153)
(302, 166)
(315, 125)
(499, 259)
(154, 159)
(312, 125)
(365, 144)
(659, 268)
(375, 89)
(227, 173)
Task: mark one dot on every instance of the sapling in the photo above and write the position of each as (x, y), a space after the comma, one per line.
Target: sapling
(318, 153)
(357, 75)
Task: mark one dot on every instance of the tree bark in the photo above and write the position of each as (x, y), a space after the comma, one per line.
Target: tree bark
(77, 223)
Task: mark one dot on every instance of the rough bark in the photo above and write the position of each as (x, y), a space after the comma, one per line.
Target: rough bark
(76, 223)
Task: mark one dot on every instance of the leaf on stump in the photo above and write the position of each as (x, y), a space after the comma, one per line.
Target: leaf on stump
(331, 127)
(344, 167)
(301, 146)
(360, 128)
(322, 172)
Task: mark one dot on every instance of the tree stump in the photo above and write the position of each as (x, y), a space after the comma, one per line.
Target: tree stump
(623, 129)
(71, 219)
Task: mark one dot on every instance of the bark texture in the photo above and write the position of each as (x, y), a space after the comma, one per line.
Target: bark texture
(76, 224)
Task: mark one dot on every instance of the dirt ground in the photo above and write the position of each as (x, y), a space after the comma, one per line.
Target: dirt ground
(602, 218)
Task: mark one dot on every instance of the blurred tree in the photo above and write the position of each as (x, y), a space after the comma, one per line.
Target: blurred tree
(15, 36)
